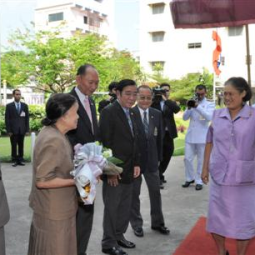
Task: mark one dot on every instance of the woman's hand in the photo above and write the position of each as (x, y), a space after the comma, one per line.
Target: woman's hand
(205, 175)
(113, 180)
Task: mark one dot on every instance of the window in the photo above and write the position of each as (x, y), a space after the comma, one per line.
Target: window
(157, 36)
(158, 8)
(235, 31)
(194, 45)
(85, 20)
(56, 16)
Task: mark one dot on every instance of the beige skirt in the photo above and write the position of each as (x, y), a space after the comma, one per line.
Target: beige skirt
(52, 237)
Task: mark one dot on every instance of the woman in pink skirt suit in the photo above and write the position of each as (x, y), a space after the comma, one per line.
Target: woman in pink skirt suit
(230, 160)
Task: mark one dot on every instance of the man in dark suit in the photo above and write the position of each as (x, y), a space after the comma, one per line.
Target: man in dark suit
(112, 96)
(118, 132)
(4, 214)
(17, 125)
(168, 109)
(87, 131)
(149, 126)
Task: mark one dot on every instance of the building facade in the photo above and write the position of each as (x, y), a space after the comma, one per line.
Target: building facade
(182, 51)
(86, 16)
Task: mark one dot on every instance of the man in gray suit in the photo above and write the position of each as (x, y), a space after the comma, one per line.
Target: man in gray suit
(149, 126)
(4, 214)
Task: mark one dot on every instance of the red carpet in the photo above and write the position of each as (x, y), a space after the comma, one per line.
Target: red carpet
(199, 242)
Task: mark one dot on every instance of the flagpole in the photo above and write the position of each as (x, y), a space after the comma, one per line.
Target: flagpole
(248, 56)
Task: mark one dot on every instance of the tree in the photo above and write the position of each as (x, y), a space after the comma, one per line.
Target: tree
(183, 89)
(53, 60)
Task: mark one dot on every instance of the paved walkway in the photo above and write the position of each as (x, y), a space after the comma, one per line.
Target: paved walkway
(182, 208)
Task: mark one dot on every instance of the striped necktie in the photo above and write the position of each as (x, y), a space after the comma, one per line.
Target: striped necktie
(129, 120)
(145, 123)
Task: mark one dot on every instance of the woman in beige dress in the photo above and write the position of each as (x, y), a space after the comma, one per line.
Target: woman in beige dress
(53, 194)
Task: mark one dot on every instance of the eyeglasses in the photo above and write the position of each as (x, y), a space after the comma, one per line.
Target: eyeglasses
(143, 98)
(130, 94)
(230, 94)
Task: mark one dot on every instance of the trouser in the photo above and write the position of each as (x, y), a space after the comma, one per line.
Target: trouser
(17, 141)
(168, 150)
(117, 204)
(152, 181)
(84, 222)
(192, 150)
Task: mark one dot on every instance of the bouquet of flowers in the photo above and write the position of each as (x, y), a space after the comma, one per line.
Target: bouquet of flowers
(90, 161)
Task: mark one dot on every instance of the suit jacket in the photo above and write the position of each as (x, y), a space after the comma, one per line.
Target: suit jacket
(150, 146)
(4, 208)
(116, 134)
(14, 121)
(83, 133)
(170, 108)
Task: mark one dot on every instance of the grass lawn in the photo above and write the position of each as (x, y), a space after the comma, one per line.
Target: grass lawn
(5, 145)
(5, 149)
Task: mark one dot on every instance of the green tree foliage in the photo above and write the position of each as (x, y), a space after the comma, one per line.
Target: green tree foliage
(53, 60)
(183, 89)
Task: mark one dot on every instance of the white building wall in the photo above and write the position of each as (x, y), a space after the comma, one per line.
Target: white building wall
(179, 59)
(74, 12)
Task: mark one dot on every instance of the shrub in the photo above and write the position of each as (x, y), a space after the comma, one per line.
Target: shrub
(36, 113)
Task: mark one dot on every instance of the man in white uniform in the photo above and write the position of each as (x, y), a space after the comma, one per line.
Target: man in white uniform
(199, 112)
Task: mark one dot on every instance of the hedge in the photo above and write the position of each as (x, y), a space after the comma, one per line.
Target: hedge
(36, 112)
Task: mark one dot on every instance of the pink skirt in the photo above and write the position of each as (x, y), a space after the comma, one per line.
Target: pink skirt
(52, 237)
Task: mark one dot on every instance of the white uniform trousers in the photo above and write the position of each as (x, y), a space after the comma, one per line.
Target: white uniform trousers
(192, 150)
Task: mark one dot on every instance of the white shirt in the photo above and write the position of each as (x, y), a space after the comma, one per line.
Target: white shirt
(81, 96)
(142, 113)
(199, 121)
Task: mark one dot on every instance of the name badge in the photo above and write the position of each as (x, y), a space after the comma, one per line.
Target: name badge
(155, 132)
(22, 114)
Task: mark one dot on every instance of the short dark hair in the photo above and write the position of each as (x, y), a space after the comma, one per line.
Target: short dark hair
(200, 87)
(144, 87)
(14, 91)
(241, 85)
(165, 85)
(124, 83)
(112, 85)
(57, 106)
(83, 69)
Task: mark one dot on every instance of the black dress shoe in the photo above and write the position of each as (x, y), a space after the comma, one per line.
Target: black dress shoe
(186, 184)
(114, 251)
(162, 229)
(199, 187)
(14, 164)
(125, 243)
(138, 232)
(20, 164)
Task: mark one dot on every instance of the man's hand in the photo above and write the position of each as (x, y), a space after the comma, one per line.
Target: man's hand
(136, 171)
(164, 97)
(113, 180)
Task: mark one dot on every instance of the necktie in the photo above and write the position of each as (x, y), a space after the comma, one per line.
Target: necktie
(145, 123)
(129, 120)
(18, 107)
(88, 110)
